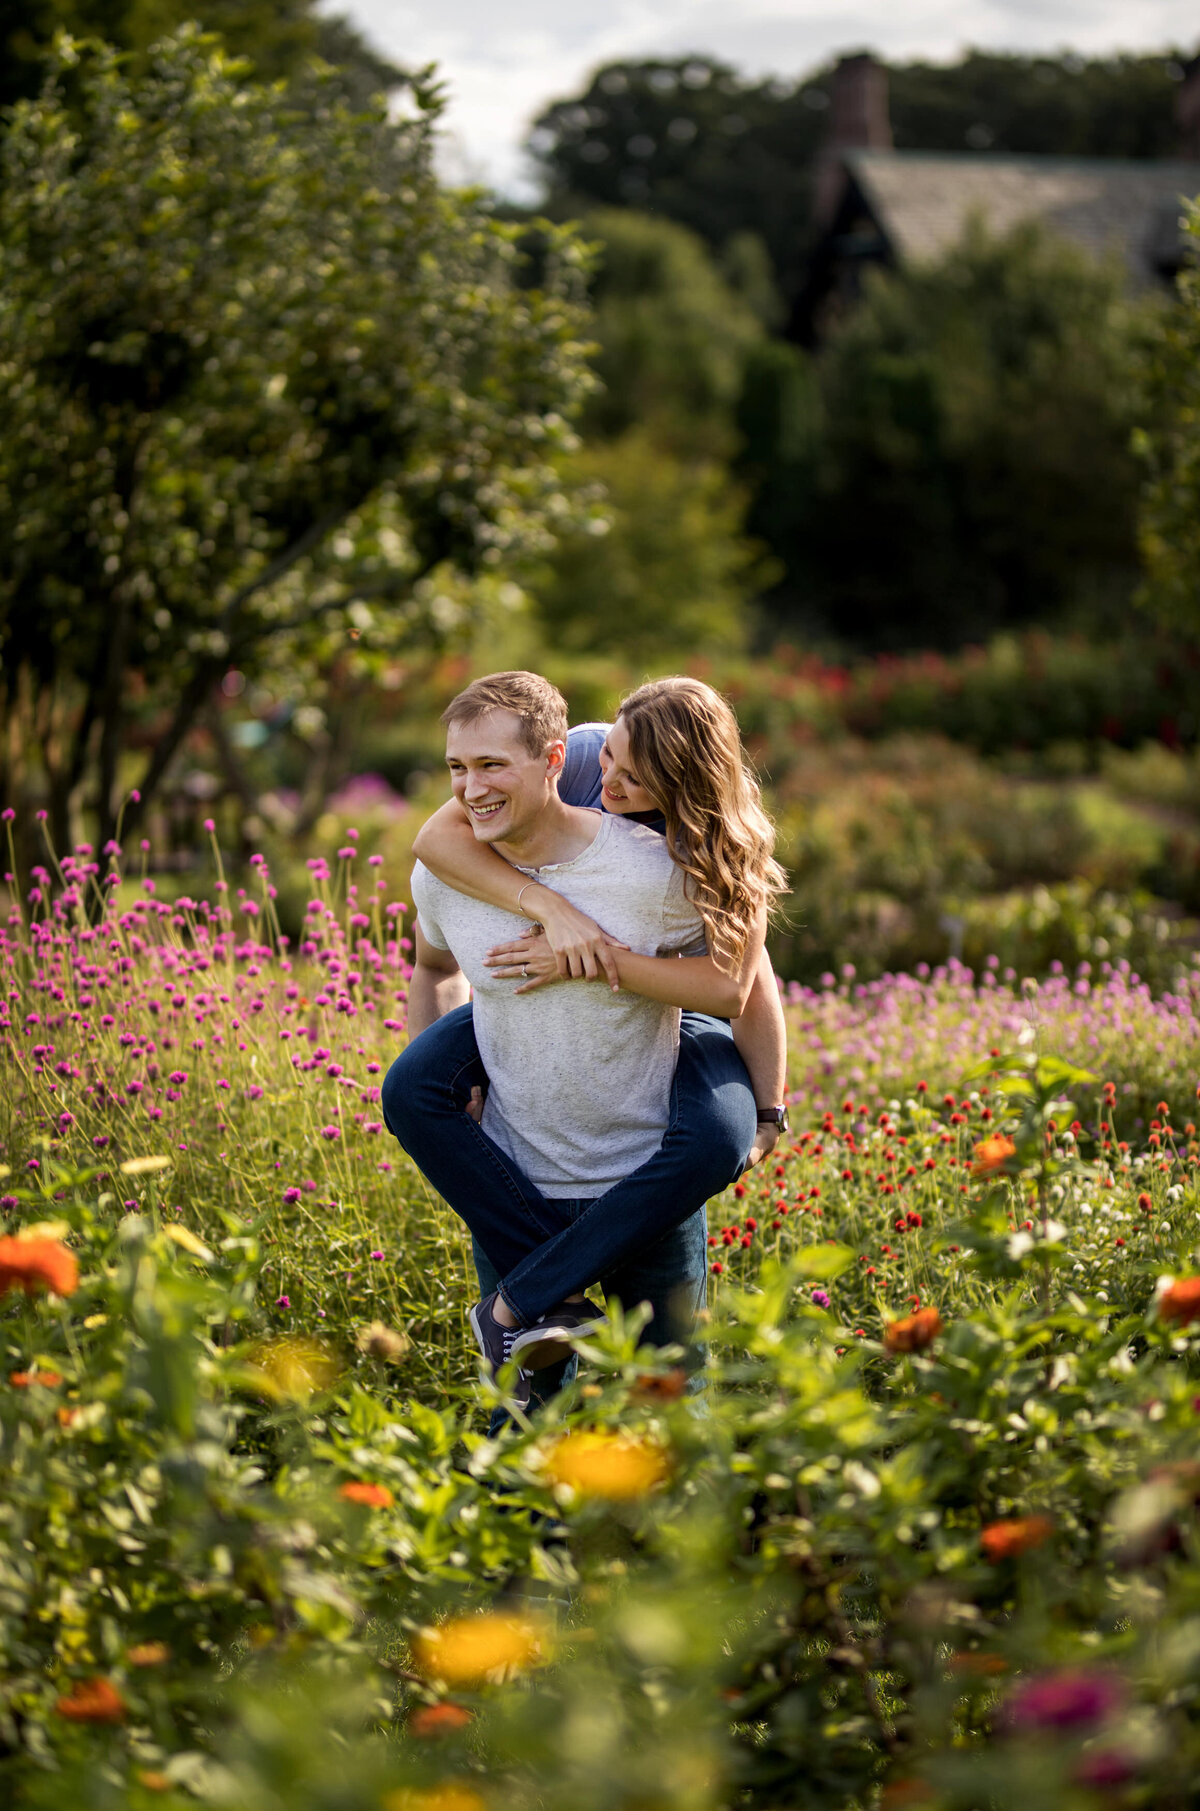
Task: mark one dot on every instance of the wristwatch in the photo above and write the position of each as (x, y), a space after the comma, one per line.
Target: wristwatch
(773, 1116)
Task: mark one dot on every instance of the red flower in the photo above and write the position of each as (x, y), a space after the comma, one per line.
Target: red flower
(438, 1719)
(915, 1332)
(93, 1701)
(33, 1264)
(371, 1496)
(1005, 1540)
(1180, 1301)
(21, 1380)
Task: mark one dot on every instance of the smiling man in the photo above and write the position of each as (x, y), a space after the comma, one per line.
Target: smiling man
(570, 1152)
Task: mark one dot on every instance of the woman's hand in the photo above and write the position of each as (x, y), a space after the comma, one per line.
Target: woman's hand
(580, 948)
(529, 960)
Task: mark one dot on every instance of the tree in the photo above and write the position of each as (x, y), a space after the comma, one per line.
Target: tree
(672, 335)
(958, 460)
(693, 140)
(261, 383)
(1169, 444)
(665, 566)
(280, 37)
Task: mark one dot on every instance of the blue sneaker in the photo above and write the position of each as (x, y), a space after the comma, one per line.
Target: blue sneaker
(497, 1344)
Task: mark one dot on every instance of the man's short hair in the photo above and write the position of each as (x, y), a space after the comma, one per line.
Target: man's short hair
(539, 707)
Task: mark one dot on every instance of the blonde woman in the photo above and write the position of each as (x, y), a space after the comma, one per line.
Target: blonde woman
(673, 759)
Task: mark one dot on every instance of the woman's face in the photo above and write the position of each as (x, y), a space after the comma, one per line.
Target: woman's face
(622, 792)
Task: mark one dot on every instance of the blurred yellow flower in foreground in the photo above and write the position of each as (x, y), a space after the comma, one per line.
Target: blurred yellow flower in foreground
(616, 1467)
(451, 1796)
(144, 1166)
(469, 1649)
(43, 1229)
(380, 1341)
(291, 1369)
(187, 1241)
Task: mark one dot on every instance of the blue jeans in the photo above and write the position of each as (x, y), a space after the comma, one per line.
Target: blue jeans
(643, 1238)
(671, 1278)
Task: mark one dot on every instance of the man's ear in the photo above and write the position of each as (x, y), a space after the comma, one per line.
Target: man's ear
(556, 755)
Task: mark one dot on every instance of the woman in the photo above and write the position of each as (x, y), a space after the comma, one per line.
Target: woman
(673, 757)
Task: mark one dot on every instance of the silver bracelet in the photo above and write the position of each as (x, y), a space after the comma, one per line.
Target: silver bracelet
(524, 890)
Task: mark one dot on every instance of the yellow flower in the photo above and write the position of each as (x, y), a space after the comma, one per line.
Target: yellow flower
(452, 1795)
(188, 1241)
(616, 1467)
(43, 1229)
(144, 1166)
(381, 1341)
(291, 1369)
(469, 1649)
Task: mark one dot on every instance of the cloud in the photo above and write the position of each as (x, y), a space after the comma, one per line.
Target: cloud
(503, 64)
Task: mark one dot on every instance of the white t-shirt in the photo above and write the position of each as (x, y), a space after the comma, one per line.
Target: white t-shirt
(580, 1077)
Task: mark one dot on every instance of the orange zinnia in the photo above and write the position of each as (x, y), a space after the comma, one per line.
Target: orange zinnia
(1005, 1540)
(21, 1380)
(914, 1332)
(991, 1154)
(438, 1719)
(33, 1264)
(148, 1653)
(93, 1701)
(1180, 1301)
(371, 1496)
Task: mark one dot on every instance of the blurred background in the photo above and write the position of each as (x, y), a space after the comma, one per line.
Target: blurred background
(868, 391)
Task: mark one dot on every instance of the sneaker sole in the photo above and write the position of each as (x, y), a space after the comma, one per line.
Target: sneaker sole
(557, 1335)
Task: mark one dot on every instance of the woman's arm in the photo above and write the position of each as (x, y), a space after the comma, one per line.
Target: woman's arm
(694, 982)
(447, 845)
(761, 1038)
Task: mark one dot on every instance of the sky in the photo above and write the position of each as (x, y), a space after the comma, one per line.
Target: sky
(503, 62)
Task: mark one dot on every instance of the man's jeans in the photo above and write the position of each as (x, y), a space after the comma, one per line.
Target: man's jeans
(670, 1278)
(644, 1238)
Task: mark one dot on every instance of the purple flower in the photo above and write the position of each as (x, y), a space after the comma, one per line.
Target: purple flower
(1071, 1698)
(378, 1256)
(820, 1298)
(291, 1194)
(283, 1301)
(178, 1077)
(330, 1132)
(209, 825)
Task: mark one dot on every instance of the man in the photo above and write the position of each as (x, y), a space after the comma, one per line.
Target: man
(579, 1079)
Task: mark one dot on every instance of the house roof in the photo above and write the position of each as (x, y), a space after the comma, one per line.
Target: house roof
(922, 201)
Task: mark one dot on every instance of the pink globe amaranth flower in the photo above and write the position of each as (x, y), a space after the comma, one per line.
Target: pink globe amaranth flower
(820, 1298)
(330, 1132)
(283, 1301)
(378, 1256)
(1071, 1698)
(209, 825)
(291, 1194)
(178, 1077)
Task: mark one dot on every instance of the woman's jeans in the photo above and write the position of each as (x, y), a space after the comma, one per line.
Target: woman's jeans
(644, 1239)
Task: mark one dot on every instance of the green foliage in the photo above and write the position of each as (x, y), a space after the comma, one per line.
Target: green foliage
(288, 384)
(665, 566)
(673, 335)
(280, 37)
(1170, 519)
(722, 153)
(972, 467)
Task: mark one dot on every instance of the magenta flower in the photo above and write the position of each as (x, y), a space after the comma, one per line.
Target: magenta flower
(378, 1256)
(1071, 1698)
(178, 1077)
(291, 1194)
(330, 1132)
(283, 1301)
(820, 1298)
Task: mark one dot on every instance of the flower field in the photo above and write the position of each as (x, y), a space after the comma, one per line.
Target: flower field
(927, 1537)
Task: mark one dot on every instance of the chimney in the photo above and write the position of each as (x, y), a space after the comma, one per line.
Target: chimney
(1187, 111)
(858, 121)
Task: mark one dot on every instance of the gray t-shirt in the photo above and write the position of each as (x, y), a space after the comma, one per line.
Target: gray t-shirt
(580, 1077)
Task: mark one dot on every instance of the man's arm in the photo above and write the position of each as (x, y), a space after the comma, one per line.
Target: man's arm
(761, 1037)
(437, 985)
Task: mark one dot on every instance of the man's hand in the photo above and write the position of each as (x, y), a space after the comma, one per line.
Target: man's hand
(765, 1140)
(580, 948)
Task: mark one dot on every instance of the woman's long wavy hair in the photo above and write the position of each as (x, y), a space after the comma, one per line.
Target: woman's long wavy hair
(686, 750)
